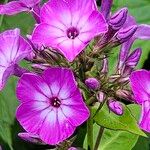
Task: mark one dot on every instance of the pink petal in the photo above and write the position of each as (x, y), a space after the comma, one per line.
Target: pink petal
(71, 48)
(31, 114)
(76, 114)
(140, 84)
(30, 3)
(32, 87)
(56, 128)
(143, 32)
(145, 117)
(48, 35)
(95, 24)
(57, 17)
(57, 84)
(81, 10)
(13, 8)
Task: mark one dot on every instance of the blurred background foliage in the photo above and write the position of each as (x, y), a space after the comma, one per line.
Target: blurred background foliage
(112, 140)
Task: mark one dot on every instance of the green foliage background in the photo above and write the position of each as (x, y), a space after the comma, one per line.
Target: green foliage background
(112, 139)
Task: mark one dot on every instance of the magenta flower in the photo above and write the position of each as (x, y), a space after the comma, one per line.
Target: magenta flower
(18, 6)
(69, 28)
(55, 106)
(13, 48)
(140, 84)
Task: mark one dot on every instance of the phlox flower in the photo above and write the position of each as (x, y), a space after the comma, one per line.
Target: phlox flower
(69, 25)
(51, 105)
(13, 48)
(140, 84)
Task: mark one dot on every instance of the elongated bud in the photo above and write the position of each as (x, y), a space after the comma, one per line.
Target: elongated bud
(92, 83)
(118, 19)
(30, 138)
(134, 58)
(104, 66)
(40, 66)
(115, 107)
(73, 148)
(124, 35)
(124, 52)
(101, 96)
(124, 94)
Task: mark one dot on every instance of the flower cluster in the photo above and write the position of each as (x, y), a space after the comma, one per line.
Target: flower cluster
(69, 51)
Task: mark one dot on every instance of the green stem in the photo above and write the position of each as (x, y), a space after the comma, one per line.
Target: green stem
(2, 16)
(99, 137)
(90, 132)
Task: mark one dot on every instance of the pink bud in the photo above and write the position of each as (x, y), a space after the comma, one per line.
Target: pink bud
(118, 19)
(101, 96)
(134, 58)
(104, 66)
(92, 83)
(124, 94)
(124, 35)
(73, 148)
(115, 107)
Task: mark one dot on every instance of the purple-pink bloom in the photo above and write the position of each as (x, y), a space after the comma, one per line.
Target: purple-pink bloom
(140, 84)
(51, 105)
(69, 28)
(13, 48)
(18, 6)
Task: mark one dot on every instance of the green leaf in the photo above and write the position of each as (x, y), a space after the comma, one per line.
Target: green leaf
(118, 140)
(8, 104)
(5, 133)
(114, 140)
(142, 144)
(24, 21)
(126, 122)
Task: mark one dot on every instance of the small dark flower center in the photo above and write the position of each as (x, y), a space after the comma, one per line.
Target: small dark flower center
(55, 102)
(72, 33)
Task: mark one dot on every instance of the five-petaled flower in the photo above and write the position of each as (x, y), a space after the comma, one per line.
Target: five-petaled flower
(69, 26)
(140, 83)
(51, 105)
(13, 48)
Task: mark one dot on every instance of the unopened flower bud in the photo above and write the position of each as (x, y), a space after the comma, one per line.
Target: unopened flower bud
(123, 79)
(118, 19)
(92, 83)
(40, 66)
(104, 66)
(73, 148)
(100, 96)
(124, 35)
(134, 58)
(115, 107)
(30, 138)
(124, 94)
